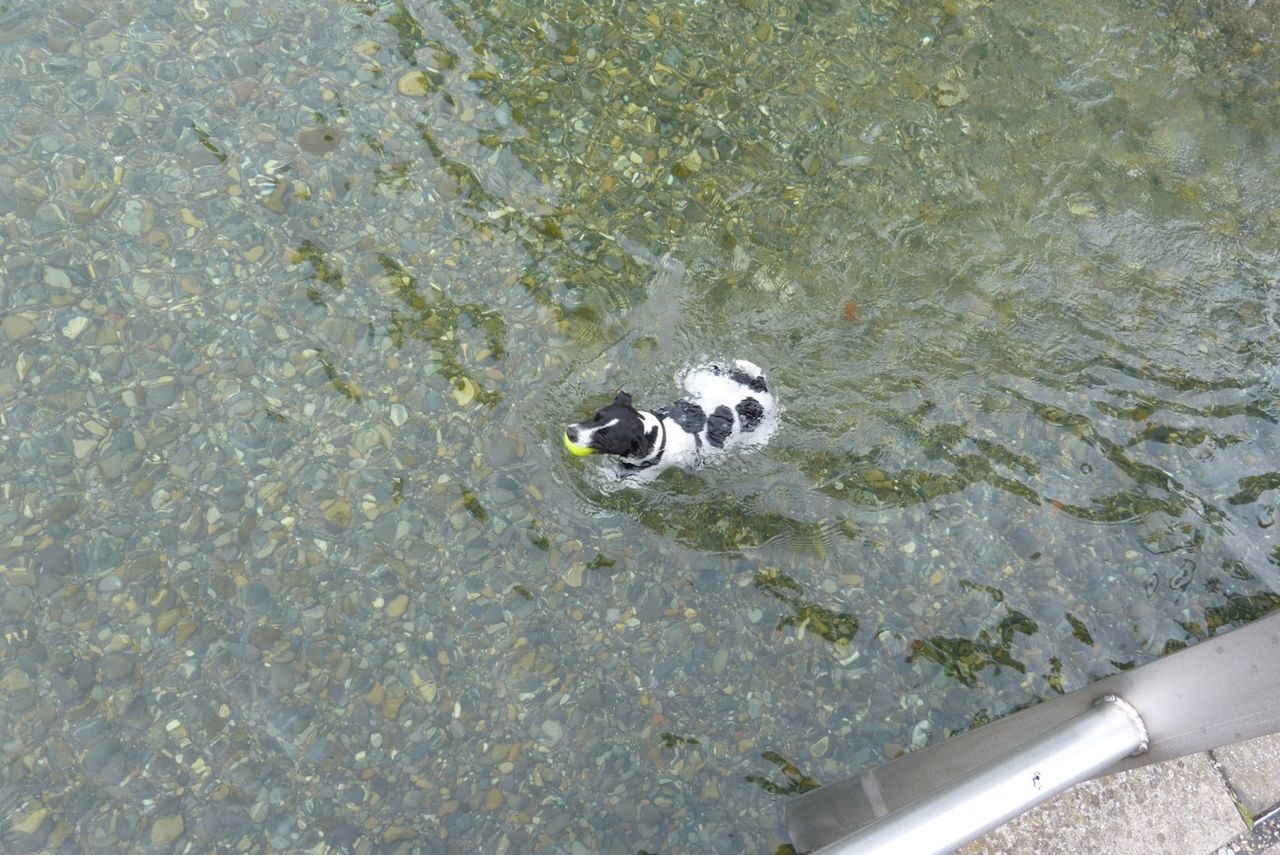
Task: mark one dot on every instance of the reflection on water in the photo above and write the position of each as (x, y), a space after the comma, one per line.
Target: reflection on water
(296, 300)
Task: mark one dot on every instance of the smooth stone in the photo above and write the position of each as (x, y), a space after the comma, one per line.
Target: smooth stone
(17, 327)
(320, 140)
(55, 559)
(56, 277)
(278, 201)
(137, 217)
(464, 391)
(553, 730)
(720, 661)
(162, 394)
(414, 84)
(263, 637)
(110, 467)
(31, 823)
(255, 594)
(398, 606)
(166, 829)
(17, 601)
(117, 666)
(395, 833)
(337, 513)
(72, 328)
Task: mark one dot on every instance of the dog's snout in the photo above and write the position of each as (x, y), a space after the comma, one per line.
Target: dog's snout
(572, 432)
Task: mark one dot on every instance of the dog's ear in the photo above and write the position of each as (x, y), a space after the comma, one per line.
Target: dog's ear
(623, 399)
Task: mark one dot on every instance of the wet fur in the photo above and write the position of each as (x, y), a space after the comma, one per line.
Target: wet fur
(727, 408)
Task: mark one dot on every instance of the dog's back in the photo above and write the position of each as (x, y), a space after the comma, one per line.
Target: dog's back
(735, 400)
(729, 407)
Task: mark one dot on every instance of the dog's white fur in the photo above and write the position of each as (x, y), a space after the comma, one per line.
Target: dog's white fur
(709, 386)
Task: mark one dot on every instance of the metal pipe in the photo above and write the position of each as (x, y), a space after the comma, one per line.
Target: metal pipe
(997, 791)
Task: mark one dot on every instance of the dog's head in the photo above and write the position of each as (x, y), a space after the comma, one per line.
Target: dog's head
(618, 429)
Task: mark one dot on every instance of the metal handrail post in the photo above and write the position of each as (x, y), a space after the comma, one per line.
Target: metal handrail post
(994, 793)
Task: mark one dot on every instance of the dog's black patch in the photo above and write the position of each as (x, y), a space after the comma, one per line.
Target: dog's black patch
(750, 413)
(644, 449)
(688, 415)
(755, 384)
(625, 437)
(719, 426)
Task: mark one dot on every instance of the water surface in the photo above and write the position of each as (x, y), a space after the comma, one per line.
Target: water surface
(297, 300)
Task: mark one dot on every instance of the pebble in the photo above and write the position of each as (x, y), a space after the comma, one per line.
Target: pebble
(415, 84)
(111, 467)
(256, 594)
(720, 661)
(243, 90)
(395, 833)
(553, 730)
(397, 606)
(74, 327)
(56, 277)
(464, 391)
(117, 666)
(337, 512)
(166, 829)
(137, 217)
(31, 823)
(320, 140)
(17, 327)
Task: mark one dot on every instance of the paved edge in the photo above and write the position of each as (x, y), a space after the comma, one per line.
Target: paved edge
(1193, 804)
(1182, 806)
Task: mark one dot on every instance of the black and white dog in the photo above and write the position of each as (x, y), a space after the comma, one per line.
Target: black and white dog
(729, 408)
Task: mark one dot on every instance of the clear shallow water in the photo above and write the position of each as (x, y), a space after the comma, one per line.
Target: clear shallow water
(296, 302)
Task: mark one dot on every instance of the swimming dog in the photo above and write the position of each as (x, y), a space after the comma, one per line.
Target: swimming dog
(728, 408)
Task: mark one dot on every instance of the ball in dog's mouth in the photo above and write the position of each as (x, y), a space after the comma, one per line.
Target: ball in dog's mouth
(577, 450)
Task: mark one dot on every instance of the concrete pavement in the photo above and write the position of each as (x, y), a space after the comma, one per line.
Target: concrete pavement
(1224, 802)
